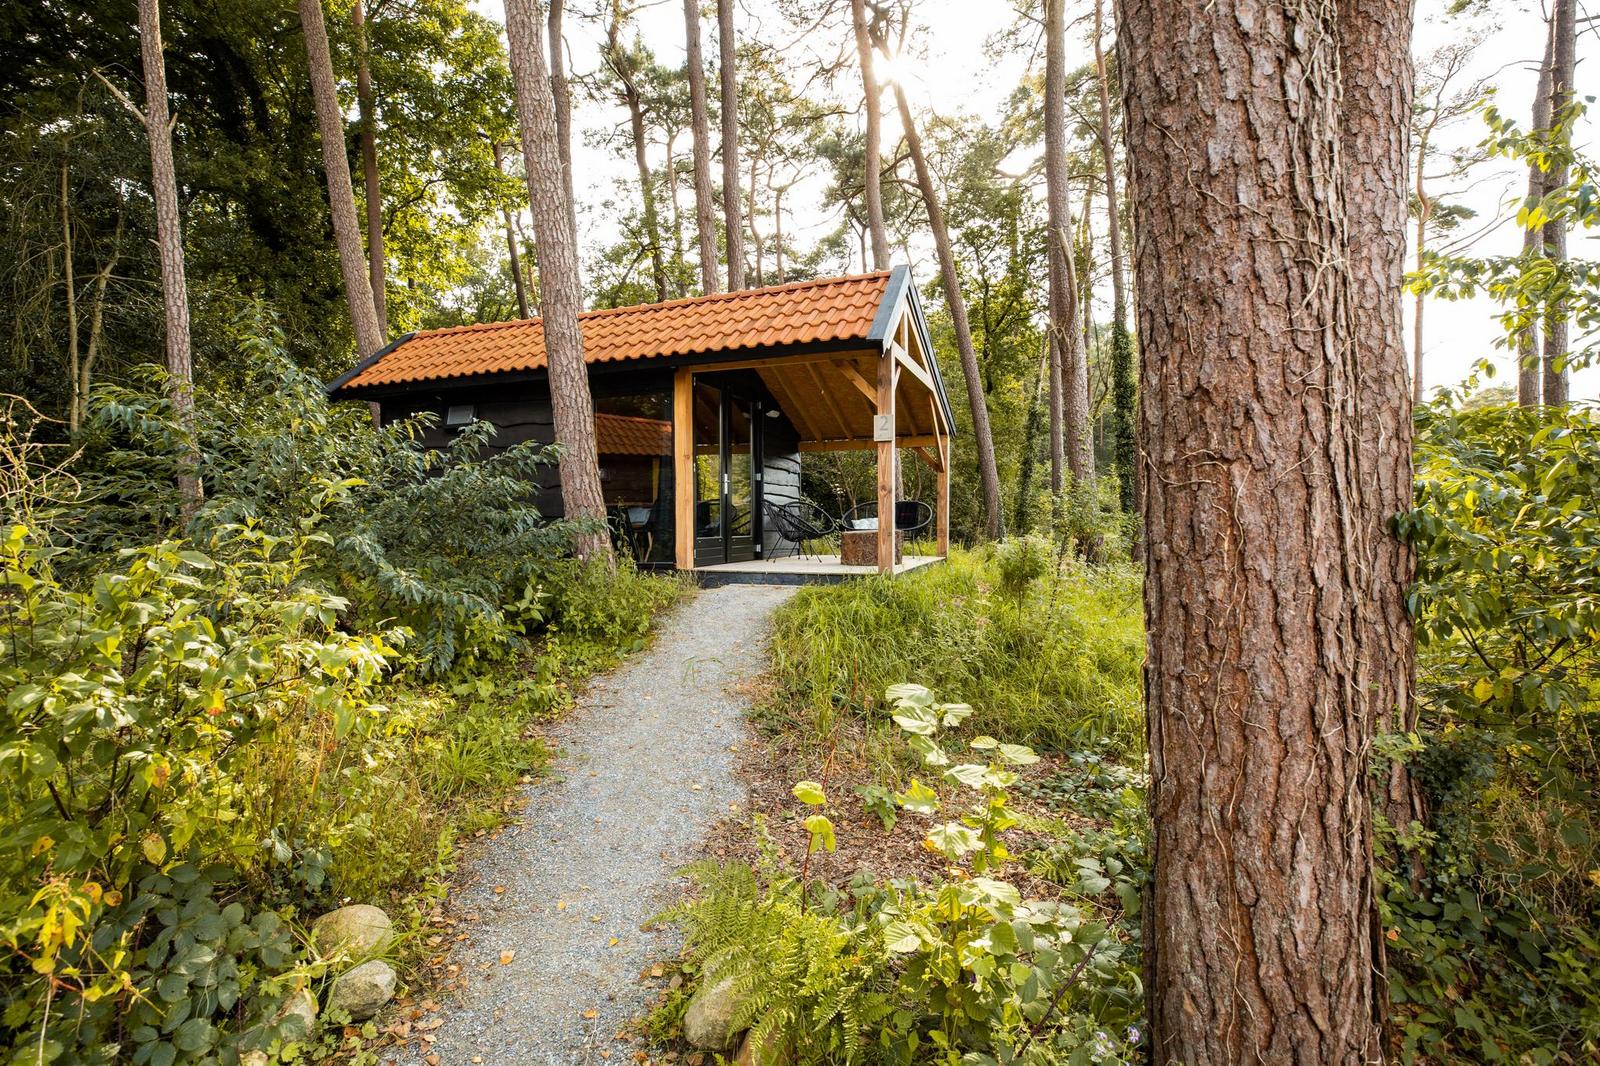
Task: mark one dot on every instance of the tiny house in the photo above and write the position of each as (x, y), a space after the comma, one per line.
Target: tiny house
(705, 408)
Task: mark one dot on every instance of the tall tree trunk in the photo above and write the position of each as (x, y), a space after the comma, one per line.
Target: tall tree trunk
(1258, 934)
(777, 232)
(1530, 379)
(570, 401)
(169, 239)
(1418, 306)
(369, 170)
(1030, 448)
(622, 67)
(511, 238)
(1563, 60)
(679, 282)
(700, 119)
(1069, 404)
(732, 215)
(561, 95)
(341, 200)
(873, 97)
(1376, 120)
(982, 438)
(755, 235)
(1124, 398)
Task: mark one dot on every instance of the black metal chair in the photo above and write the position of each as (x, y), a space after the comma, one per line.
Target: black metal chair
(799, 522)
(910, 516)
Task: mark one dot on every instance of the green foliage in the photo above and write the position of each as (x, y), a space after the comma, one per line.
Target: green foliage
(1494, 946)
(131, 708)
(1060, 674)
(1019, 562)
(964, 971)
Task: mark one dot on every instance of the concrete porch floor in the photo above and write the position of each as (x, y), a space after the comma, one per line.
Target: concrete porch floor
(799, 570)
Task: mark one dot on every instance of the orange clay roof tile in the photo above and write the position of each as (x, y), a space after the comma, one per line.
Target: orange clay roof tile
(830, 309)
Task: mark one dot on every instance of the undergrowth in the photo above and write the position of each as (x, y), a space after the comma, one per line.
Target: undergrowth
(1048, 650)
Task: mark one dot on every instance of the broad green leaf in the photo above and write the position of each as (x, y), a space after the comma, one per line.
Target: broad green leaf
(901, 937)
(809, 792)
(1018, 754)
(919, 798)
(908, 693)
(821, 831)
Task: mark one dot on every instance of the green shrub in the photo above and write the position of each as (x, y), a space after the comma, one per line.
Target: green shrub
(132, 710)
(962, 971)
(1060, 674)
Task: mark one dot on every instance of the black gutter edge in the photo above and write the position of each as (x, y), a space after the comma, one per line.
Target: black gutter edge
(899, 278)
(344, 379)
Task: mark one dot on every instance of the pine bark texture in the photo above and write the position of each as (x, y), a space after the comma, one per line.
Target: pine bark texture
(560, 294)
(1562, 69)
(1530, 378)
(367, 105)
(982, 437)
(705, 208)
(169, 241)
(1258, 935)
(341, 200)
(1375, 120)
(732, 214)
(872, 95)
(1124, 397)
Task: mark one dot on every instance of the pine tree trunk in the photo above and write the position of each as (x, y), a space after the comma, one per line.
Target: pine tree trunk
(570, 401)
(1530, 379)
(874, 149)
(1378, 83)
(169, 240)
(622, 68)
(1124, 374)
(1258, 930)
(1069, 406)
(341, 200)
(1556, 330)
(511, 239)
(369, 170)
(700, 118)
(982, 438)
(561, 94)
(732, 214)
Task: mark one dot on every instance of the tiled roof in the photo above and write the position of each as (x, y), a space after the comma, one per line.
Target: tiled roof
(631, 435)
(830, 309)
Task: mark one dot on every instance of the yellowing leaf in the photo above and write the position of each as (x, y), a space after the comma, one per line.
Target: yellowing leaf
(154, 848)
(506, 957)
(810, 793)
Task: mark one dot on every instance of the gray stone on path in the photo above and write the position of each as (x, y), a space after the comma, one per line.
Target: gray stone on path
(645, 770)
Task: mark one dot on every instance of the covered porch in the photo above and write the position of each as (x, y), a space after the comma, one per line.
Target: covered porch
(882, 395)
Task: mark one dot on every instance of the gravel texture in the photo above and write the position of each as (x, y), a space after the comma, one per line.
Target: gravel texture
(647, 767)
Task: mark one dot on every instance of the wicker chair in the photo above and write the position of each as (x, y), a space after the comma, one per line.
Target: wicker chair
(910, 516)
(799, 522)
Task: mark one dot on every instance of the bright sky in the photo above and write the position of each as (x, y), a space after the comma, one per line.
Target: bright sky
(958, 73)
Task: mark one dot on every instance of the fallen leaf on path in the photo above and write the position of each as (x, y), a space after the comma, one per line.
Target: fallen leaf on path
(506, 957)
(591, 1013)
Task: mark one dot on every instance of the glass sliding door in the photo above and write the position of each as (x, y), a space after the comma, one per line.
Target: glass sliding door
(727, 482)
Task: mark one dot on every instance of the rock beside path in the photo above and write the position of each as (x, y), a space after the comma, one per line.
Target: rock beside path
(362, 991)
(708, 1023)
(356, 932)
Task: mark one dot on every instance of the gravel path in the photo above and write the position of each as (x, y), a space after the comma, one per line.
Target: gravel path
(646, 768)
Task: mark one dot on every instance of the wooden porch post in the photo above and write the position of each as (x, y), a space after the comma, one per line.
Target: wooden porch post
(941, 519)
(683, 467)
(887, 372)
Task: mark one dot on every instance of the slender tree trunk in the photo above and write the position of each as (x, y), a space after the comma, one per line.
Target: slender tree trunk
(1424, 214)
(680, 283)
(561, 94)
(1563, 62)
(1030, 448)
(70, 291)
(570, 401)
(622, 67)
(734, 223)
(511, 239)
(1124, 398)
(873, 98)
(369, 170)
(1069, 406)
(1057, 416)
(700, 119)
(777, 233)
(1530, 380)
(1379, 88)
(982, 438)
(755, 234)
(169, 239)
(341, 200)
(1258, 932)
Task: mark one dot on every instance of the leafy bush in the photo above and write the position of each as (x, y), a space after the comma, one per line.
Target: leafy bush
(1059, 675)
(1494, 948)
(962, 971)
(131, 710)
(446, 542)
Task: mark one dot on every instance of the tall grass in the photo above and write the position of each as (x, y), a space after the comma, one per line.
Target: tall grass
(1058, 668)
